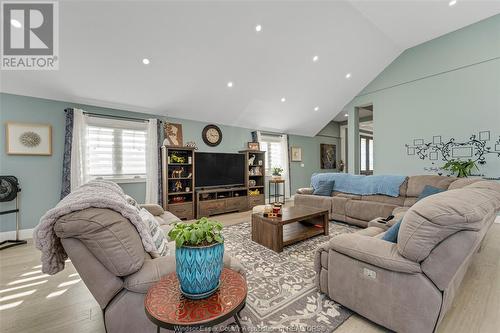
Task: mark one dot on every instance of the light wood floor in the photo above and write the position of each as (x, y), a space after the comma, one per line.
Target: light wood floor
(33, 302)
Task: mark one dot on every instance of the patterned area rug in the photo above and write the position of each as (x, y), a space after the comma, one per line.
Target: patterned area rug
(282, 295)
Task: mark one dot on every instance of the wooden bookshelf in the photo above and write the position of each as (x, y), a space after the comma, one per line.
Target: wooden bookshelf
(255, 171)
(178, 181)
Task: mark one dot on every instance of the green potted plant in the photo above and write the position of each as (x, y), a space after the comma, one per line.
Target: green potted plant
(199, 256)
(277, 171)
(460, 168)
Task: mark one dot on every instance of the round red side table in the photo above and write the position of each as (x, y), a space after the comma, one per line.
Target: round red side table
(167, 308)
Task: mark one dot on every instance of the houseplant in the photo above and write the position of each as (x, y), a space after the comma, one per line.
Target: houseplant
(199, 256)
(460, 168)
(277, 171)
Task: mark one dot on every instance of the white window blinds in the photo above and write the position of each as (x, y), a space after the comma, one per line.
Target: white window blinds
(115, 148)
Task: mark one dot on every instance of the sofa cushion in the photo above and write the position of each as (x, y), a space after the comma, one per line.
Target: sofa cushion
(347, 195)
(410, 201)
(324, 188)
(367, 210)
(398, 201)
(433, 219)
(462, 182)
(429, 190)
(314, 201)
(417, 183)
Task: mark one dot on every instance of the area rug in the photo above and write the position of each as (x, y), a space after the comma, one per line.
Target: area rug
(282, 295)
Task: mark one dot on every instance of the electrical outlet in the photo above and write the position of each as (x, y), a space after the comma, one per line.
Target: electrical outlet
(302, 165)
(369, 273)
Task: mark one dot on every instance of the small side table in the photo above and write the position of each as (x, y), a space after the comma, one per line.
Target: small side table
(277, 194)
(167, 308)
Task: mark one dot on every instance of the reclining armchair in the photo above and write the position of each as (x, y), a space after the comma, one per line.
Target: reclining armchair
(107, 252)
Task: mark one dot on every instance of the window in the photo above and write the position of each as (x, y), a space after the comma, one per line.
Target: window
(115, 149)
(273, 146)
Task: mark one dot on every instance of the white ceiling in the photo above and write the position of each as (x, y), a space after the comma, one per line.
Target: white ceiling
(195, 48)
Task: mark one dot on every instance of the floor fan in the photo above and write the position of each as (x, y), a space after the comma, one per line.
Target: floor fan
(9, 190)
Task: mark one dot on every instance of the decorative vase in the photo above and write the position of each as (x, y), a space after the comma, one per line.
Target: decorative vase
(198, 269)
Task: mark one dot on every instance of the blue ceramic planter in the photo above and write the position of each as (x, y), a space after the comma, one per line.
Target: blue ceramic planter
(198, 269)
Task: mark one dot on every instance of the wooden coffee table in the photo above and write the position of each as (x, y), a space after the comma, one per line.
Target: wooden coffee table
(166, 307)
(296, 224)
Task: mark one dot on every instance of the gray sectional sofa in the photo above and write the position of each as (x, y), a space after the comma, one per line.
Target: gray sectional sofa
(361, 209)
(409, 286)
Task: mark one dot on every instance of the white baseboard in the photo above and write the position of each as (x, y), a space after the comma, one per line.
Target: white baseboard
(10, 235)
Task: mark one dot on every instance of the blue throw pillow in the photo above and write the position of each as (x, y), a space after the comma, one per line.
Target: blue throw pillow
(391, 235)
(429, 190)
(325, 188)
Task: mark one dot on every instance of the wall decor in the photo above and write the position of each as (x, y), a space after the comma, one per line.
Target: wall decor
(328, 156)
(212, 135)
(173, 135)
(475, 149)
(253, 146)
(296, 154)
(28, 139)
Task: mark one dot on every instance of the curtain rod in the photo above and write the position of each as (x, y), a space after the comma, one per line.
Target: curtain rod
(99, 115)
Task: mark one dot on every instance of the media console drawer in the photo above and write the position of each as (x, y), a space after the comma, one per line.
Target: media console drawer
(182, 211)
(239, 203)
(255, 200)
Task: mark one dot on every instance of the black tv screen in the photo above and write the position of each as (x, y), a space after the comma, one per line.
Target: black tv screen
(219, 169)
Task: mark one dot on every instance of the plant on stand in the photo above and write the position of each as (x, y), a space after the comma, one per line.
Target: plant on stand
(277, 171)
(199, 256)
(462, 169)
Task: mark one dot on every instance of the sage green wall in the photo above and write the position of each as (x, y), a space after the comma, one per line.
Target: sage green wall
(40, 176)
(449, 86)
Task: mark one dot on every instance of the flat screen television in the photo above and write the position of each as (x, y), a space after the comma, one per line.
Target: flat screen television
(219, 169)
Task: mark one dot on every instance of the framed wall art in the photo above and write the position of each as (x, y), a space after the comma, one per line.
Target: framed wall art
(28, 139)
(296, 154)
(173, 135)
(328, 156)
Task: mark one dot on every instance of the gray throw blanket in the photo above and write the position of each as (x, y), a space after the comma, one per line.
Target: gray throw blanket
(97, 194)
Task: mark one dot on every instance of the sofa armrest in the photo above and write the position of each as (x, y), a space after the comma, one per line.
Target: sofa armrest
(305, 190)
(376, 223)
(374, 251)
(154, 209)
(153, 270)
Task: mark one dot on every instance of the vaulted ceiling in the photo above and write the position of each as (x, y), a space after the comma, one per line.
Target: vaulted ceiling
(196, 48)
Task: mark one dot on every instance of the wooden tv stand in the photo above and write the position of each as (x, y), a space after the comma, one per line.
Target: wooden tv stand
(221, 200)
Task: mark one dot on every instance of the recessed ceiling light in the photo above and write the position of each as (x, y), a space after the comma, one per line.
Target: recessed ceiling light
(315, 58)
(346, 115)
(230, 84)
(145, 61)
(316, 108)
(452, 3)
(258, 28)
(15, 23)
(348, 76)
(283, 99)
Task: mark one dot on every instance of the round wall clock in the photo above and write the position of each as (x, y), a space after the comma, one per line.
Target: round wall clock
(212, 135)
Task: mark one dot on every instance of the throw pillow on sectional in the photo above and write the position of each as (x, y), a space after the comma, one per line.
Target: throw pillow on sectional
(325, 188)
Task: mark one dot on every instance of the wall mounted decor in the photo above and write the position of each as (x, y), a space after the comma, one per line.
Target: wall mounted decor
(296, 154)
(173, 135)
(328, 156)
(28, 139)
(212, 135)
(475, 149)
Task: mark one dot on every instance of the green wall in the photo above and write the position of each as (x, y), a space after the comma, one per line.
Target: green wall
(40, 176)
(449, 86)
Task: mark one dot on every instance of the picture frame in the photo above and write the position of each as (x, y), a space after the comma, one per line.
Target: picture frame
(296, 154)
(173, 135)
(253, 146)
(28, 139)
(328, 156)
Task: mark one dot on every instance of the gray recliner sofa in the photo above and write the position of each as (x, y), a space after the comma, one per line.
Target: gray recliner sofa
(107, 252)
(409, 286)
(361, 209)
